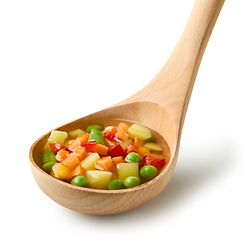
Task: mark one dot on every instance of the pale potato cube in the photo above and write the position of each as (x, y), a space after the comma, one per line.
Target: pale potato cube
(98, 179)
(89, 162)
(138, 131)
(125, 170)
(153, 147)
(76, 133)
(57, 136)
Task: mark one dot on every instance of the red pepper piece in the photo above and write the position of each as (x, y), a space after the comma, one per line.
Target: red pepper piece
(152, 160)
(116, 151)
(90, 146)
(57, 146)
(111, 134)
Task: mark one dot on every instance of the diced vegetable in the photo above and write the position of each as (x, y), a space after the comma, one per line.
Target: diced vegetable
(125, 170)
(81, 152)
(116, 151)
(84, 137)
(105, 164)
(126, 143)
(122, 134)
(78, 171)
(111, 134)
(71, 161)
(91, 127)
(47, 167)
(48, 160)
(61, 172)
(138, 143)
(149, 172)
(116, 184)
(153, 147)
(56, 147)
(76, 133)
(118, 160)
(57, 136)
(108, 128)
(89, 162)
(73, 144)
(80, 181)
(90, 146)
(138, 131)
(98, 179)
(109, 142)
(48, 156)
(96, 135)
(101, 149)
(144, 150)
(61, 154)
(152, 160)
(132, 148)
(131, 181)
(123, 126)
(133, 157)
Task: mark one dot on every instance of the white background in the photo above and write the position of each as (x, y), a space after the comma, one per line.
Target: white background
(61, 60)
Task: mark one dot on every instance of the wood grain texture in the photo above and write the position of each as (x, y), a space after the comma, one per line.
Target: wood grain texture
(165, 98)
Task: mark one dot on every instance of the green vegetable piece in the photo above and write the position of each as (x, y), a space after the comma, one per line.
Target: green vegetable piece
(130, 182)
(47, 167)
(96, 135)
(133, 157)
(93, 127)
(149, 172)
(152, 139)
(48, 156)
(116, 184)
(79, 181)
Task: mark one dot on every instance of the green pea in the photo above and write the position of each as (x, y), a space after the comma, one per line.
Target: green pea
(93, 127)
(48, 156)
(47, 167)
(130, 182)
(80, 181)
(133, 157)
(116, 184)
(96, 135)
(149, 172)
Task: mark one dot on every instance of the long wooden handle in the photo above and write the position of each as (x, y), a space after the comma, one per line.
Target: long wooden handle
(172, 86)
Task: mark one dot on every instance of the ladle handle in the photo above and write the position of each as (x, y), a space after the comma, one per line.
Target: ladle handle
(172, 86)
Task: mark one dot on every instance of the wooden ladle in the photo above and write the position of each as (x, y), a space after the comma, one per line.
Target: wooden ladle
(161, 105)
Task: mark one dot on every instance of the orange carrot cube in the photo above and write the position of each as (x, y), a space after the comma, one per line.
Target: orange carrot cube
(106, 164)
(122, 135)
(84, 137)
(123, 126)
(101, 149)
(61, 154)
(78, 171)
(138, 142)
(109, 143)
(118, 160)
(74, 144)
(71, 161)
(81, 152)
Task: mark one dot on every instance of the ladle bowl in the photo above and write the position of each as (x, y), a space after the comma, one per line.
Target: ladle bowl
(161, 105)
